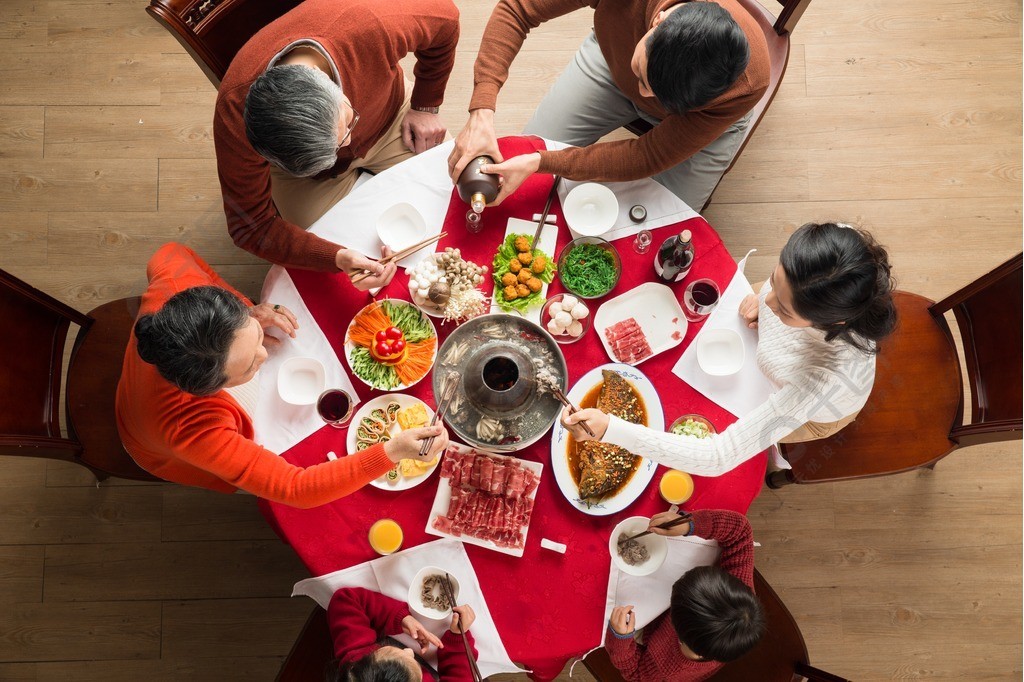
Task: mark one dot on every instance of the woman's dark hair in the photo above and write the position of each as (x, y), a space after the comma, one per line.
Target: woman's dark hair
(841, 282)
(715, 614)
(369, 668)
(188, 339)
(694, 55)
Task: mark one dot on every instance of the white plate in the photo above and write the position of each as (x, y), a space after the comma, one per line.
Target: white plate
(720, 352)
(349, 346)
(548, 237)
(300, 381)
(426, 305)
(444, 496)
(381, 402)
(655, 309)
(401, 226)
(590, 209)
(560, 443)
(657, 546)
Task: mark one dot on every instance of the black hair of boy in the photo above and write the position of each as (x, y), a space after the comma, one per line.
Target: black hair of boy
(715, 614)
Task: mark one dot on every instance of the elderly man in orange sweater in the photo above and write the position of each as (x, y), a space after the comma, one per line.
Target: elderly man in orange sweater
(189, 370)
(692, 69)
(313, 98)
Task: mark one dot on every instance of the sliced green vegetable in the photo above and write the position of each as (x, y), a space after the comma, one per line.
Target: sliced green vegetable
(589, 270)
(372, 372)
(410, 320)
(691, 427)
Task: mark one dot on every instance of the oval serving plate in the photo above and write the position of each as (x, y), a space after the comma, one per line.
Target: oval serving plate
(349, 346)
(403, 482)
(560, 442)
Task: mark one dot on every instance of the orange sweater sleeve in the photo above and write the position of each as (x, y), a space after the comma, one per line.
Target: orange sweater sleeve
(208, 439)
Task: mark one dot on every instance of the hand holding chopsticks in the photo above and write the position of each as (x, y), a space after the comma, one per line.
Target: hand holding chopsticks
(394, 258)
(448, 387)
(556, 391)
(672, 523)
(457, 626)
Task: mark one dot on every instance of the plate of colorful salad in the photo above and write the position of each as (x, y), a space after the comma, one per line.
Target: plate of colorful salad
(390, 345)
(381, 419)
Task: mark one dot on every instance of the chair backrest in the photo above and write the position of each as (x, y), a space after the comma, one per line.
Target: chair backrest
(791, 12)
(32, 352)
(988, 313)
(213, 31)
(312, 651)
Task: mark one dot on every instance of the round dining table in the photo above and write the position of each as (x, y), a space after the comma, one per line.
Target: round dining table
(547, 606)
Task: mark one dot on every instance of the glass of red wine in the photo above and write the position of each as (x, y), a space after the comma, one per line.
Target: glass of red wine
(699, 299)
(335, 407)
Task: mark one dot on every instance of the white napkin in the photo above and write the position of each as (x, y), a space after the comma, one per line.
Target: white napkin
(391, 576)
(663, 207)
(651, 594)
(280, 425)
(748, 388)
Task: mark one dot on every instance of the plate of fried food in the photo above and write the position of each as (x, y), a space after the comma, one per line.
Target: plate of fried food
(521, 272)
(380, 420)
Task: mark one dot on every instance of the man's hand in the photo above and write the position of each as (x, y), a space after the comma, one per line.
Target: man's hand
(475, 139)
(424, 637)
(407, 444)
(352, 263)
(623, 620)
(748, 310)
(462, 615)
(513, 173)
(422, 131)
(269, 316)
(596, 420)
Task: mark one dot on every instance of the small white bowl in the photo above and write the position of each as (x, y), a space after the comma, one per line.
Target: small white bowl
(720, 352)
(416, 594)
(656, 545)
(300, 381)
(401, 226)
(591, 209)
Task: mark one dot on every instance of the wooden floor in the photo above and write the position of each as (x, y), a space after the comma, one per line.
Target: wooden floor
(904, 117)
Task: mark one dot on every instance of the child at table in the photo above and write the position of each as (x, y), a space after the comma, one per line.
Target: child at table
(819, 318)
(361, 622)
(713, 617)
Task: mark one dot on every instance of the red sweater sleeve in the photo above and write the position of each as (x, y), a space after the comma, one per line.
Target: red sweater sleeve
(452, 663)
(430, 30)
(358, 618)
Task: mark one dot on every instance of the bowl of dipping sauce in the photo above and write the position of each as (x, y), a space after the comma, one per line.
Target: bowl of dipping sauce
(720, 352)
(590, 209)
(426, 595)
(401, 226)
(300, 381)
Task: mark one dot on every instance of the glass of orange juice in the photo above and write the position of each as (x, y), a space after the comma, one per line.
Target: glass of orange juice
(676, 486)
(385, 536)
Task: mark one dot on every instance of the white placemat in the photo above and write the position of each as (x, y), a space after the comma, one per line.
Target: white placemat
(748, 388)
(391, 575)
(663, 207)
(279, 425)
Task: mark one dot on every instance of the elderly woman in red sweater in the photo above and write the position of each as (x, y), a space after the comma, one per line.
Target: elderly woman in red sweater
(361, 623)
(189, 370)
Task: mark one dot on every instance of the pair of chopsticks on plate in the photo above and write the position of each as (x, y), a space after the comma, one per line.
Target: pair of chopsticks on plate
(560, 397)
(535, 244)
(451, 382)
(395, 257)
(683, 518)
(449, 593)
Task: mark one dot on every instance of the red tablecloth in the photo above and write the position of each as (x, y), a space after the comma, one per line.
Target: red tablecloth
(548, 607)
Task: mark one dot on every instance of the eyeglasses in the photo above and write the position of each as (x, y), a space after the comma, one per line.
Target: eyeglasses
(351, 127)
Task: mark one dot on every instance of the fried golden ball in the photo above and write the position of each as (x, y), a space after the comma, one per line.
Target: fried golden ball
(539, 263)
(534, 284)
(512, 293)
(514, 265)
(526, 258)
(509, 279)
(524, 276)
(522, 290)
(522, 244)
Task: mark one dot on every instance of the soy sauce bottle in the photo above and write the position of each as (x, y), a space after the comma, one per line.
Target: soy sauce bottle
(674, 257)
(475, 187)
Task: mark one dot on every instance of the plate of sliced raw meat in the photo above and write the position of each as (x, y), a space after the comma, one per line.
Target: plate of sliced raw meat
(485, 499)
(640, 323)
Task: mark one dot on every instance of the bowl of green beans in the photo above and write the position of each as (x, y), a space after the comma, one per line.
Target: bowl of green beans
(589, 267)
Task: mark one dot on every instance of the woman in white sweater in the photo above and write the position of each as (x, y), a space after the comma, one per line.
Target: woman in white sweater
(819, 318)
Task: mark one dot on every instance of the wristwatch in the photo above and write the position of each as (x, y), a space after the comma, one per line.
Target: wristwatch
(428, 110)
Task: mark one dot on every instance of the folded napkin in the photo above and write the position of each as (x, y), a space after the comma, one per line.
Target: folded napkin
(280, 425)
(748, 388)
(391, 576)
(663, 207)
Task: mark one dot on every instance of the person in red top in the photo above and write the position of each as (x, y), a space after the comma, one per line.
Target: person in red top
(188, 372)
(713, 617)
(312, 98)
(693, 70)
(361, 622)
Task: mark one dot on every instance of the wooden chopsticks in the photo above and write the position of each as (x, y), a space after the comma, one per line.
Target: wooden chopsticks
(451, 382)
(535, 244)
(395, 257)
(560, 397)
(449, 593)
(683, 518)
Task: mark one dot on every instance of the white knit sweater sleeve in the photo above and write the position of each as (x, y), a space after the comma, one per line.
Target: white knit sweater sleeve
(781, 414)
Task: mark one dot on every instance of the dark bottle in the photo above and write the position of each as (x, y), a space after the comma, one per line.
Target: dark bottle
(675, 257)
(476, 188)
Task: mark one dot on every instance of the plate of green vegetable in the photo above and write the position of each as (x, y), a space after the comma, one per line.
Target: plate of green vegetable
(589, 267)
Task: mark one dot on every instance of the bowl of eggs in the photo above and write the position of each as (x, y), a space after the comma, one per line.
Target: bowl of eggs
(566, 318)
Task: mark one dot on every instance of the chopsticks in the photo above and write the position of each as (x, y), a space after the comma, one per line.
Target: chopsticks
(451, 382)
(560, 397)
(535, 244)
(449, 593)
(683, 518)
(395, 257)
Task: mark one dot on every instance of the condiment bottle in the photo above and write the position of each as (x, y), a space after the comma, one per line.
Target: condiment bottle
(674, 257)
(475, 187)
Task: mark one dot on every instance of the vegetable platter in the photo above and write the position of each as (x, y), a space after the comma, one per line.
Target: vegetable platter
(390, 345)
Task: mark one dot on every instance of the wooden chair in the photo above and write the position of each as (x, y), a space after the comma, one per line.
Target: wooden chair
(915, 413)
(312, 651)
(780, 656)
(213, 31)
(776, 34)
(32, 348)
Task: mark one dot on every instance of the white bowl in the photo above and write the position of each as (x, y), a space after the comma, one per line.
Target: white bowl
(720, 352)
(300, 381)
(401, 226)
(591, 209)
(656, 545)
(416, 594)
